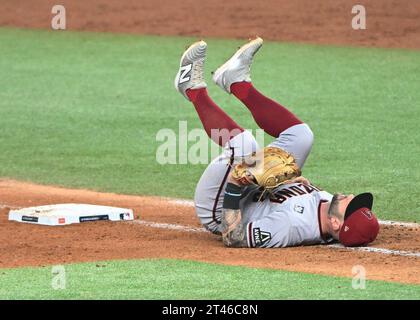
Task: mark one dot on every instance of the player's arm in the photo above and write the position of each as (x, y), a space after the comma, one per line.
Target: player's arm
(233, 231)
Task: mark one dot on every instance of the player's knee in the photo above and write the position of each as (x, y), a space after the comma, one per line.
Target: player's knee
(242, 145)
(306, 137)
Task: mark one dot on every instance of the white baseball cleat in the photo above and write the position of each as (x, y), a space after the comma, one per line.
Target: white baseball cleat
(238, 67)
(191, 68)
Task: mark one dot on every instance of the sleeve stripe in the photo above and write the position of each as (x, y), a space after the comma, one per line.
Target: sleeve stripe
(251, 245)
(233, 194)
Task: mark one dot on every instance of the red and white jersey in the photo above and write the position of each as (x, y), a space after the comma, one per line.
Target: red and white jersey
(290, 216)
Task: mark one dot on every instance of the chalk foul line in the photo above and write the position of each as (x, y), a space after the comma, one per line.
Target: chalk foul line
(4, 206)
(183, 228)
(377, 250)
(190, 203)
(169, 226)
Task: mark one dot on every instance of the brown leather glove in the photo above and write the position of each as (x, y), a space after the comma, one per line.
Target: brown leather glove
(268, 168)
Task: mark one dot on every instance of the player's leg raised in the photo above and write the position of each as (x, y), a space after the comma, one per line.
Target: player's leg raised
(234, 76)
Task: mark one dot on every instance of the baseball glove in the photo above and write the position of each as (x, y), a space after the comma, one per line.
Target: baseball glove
(268, 168)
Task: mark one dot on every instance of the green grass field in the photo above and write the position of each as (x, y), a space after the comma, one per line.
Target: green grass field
(83, 110)
(185, 280)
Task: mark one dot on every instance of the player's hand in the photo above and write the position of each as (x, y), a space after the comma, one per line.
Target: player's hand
(300, 179)
(238, 182)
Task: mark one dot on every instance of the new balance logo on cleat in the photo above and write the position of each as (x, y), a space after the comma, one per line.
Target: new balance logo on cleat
(185, 70)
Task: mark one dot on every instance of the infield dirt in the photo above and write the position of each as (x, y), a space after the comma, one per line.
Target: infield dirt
(390, 23)
(34, 245)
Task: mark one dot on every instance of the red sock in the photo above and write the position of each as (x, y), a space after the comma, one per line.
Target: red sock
(213, 118)
(270, 116)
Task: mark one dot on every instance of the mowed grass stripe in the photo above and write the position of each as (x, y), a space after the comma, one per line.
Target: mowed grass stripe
(175, 279)
(83, 110)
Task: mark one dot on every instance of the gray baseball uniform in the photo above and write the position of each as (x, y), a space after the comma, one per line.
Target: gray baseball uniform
(289, 217)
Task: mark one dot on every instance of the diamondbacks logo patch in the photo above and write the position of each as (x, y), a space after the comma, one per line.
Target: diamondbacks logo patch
(261, 237)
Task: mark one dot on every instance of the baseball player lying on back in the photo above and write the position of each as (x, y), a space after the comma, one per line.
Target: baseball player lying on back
(230, 199)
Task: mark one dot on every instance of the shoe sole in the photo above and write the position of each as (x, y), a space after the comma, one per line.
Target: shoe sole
(188, 49)
(219, 71)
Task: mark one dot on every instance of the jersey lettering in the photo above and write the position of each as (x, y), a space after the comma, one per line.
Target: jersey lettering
(282, 195)
(297, 190)
(310, 188)
(288, 193)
